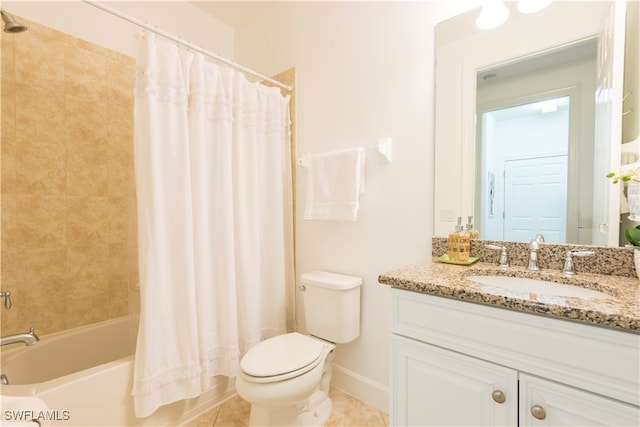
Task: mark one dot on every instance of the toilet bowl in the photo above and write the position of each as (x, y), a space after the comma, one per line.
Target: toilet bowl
(286, 378)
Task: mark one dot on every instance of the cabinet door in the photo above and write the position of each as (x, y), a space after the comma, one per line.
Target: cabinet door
(546, 403)
(432, 386)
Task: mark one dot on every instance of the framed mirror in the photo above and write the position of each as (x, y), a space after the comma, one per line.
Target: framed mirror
(547, 178)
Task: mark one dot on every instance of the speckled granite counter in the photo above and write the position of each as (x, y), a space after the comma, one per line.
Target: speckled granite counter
(622, 311)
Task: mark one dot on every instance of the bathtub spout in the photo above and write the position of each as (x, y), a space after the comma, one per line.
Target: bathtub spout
(29, 338)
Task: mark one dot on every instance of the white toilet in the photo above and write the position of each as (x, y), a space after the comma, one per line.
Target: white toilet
(286, 378)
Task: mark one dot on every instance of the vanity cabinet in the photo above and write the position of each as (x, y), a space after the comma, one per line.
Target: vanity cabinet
(461, 363)
(546, 403)
(438, 387)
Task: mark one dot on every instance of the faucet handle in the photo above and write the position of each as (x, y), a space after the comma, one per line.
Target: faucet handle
(7, 299)
(503, 262)
(568, 269)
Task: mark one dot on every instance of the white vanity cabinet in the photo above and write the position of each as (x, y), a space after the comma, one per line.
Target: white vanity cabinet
(461, 363)
(546, 403)
(438, 387)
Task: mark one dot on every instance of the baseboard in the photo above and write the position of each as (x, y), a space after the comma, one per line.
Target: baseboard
(361, 387)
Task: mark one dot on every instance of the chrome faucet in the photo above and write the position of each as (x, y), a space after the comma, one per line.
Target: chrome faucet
(569, 269)
(29, 338)
(534, 247)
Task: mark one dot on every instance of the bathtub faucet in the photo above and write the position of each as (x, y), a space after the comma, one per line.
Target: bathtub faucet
(29, 338)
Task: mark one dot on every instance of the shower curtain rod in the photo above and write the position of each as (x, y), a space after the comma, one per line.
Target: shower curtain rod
(191, 46)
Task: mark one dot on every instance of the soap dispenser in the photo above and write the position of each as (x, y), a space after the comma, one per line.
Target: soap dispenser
(474, 234)
(459, 243)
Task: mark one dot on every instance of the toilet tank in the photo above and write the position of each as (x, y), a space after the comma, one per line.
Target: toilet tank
(331, 305)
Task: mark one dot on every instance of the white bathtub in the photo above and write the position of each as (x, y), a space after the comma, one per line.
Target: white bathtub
(84, 377)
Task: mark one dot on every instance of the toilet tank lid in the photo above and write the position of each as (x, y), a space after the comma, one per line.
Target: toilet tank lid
(330, 280)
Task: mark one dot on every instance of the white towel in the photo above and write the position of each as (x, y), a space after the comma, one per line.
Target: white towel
(335, 181)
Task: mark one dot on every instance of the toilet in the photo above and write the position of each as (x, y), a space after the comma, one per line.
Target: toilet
(286, 378)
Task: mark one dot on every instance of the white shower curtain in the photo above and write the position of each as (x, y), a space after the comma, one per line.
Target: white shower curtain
(213, 182)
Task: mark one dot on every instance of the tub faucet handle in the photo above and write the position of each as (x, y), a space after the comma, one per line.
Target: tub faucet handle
(7, 299)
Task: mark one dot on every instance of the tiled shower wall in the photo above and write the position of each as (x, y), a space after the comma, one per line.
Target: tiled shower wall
(68, 193)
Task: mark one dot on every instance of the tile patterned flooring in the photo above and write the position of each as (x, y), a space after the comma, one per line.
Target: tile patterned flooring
(347, 412)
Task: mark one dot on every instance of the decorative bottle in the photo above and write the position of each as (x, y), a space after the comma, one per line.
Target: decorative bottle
(474, 234)
(459, 243)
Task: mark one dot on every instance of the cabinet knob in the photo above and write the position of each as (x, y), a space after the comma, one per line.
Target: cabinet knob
(498, 396)
(538, 412)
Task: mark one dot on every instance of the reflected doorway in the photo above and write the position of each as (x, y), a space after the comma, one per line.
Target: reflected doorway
(524, 152)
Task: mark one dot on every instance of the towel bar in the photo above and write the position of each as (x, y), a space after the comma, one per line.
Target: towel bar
(383, 147)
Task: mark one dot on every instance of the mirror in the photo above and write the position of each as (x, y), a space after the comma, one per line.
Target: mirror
(529, 60)
(534, 147)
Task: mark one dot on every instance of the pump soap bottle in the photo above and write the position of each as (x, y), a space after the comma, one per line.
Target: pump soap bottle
(459, 243)
(474, 234)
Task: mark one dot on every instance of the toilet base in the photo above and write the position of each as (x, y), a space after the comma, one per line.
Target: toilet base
(315, 412)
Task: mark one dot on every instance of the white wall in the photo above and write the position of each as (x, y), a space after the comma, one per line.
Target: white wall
(365, 70)
(86, 22)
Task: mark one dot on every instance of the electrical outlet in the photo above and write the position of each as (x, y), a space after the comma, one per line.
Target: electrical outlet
(446, 215)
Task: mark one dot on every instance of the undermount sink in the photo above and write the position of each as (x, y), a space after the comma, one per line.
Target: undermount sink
(536, 286)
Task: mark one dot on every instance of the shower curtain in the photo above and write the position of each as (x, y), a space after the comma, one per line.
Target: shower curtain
(213, 181)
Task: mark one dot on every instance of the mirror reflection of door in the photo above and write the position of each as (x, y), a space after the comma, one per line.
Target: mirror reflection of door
(525, 151)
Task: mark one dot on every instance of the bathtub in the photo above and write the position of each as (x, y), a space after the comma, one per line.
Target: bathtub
(84, 378)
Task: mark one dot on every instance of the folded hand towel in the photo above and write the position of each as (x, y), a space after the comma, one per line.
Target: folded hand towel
(334, 183)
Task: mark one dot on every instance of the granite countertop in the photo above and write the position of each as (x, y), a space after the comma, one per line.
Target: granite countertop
(621, 311)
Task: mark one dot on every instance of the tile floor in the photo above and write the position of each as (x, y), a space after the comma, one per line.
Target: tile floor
(347, 412)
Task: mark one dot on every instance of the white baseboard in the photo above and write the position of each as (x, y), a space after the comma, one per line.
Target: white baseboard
(361, 387)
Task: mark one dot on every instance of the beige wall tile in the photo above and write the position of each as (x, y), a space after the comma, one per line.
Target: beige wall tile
(40, 114)
(8, 105)
(39, 59)
(118, 294)
(87, 172)
(120, 126)
(41, 221)
(87, 219)
(69, 232)
(8, 165)
(121, 77)
(87, 263)
(118, 220)
(85, 73)
(88, 283)
(43, 291)
(88, 301)
(7, 59)
(40, 168)
(86, 123)
(9, 318)
(10, 236)
(120, 171)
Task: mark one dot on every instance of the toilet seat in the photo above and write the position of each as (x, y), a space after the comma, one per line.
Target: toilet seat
(281, 358)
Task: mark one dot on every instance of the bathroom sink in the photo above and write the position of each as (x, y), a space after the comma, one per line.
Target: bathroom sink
(537, 286)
